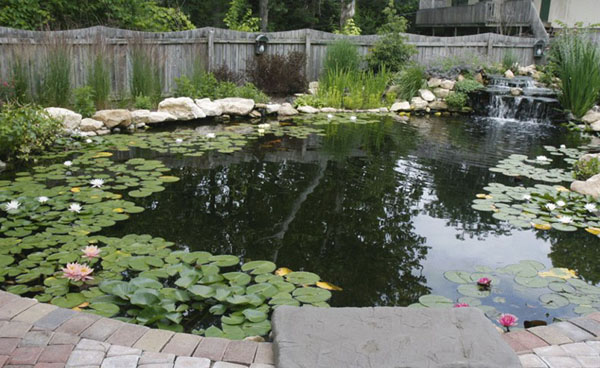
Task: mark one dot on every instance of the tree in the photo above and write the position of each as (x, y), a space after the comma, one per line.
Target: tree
(264, 15)
(348, 11)
(239, 17)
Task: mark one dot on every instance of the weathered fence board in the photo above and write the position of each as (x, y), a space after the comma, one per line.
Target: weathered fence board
(177, 52)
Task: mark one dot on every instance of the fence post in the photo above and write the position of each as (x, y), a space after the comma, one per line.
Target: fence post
(211, 49)
(490, 45)
(308, 56)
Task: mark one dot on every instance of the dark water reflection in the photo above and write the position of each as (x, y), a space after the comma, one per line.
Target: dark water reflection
(381, 210)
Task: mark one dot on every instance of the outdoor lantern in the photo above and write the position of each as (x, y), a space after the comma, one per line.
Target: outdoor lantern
(538, 49)
(261, 44)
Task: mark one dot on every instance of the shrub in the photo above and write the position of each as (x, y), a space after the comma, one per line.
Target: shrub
(25, 130)
(224, 74)
(249, 90)
(206, 85)
(7, 91)
(279, 74)
(341, 55)
(145, 76)
(410, 81)
(457, 100)
(143, 102)
(350, 28)
(84, 101)
(56, 80)
(467, 86)
(585, 169)
(99, 81)
(20, 79)
(308, 100)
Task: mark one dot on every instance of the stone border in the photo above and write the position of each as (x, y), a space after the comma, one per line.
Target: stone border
(23, 318)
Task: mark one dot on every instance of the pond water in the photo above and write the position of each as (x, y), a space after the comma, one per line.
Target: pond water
(380, 209)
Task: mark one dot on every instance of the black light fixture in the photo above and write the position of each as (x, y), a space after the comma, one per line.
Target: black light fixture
(261, 44)
(538, 49)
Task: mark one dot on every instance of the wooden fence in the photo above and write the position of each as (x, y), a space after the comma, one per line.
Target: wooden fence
(177, 52)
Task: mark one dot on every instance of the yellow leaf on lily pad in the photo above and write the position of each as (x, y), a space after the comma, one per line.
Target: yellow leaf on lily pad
(484, 196)
(593, 230)
(118, 210)
(283, 271)
(76, 309)
(561, 273)
(542, 226)
(102, 154)
(76, 190)
(562, 189)
(327, 286)
(83, 305)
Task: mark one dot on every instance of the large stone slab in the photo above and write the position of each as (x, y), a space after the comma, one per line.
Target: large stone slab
(310, 337)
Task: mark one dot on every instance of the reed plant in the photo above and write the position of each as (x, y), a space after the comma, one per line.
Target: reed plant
(20, 79)
(410, 81)
(342, 55)
(55, 88)
(354, 90)
(145, 75)
(99, 81)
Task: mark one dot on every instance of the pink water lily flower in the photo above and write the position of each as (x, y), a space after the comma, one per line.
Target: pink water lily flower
(508, 320)
(484, 281)
(461, 305)
(91, 251)
(77, 272)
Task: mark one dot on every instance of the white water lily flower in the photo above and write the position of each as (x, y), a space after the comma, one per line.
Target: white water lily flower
(211, 135)
(179, 140)
(526, 197)
(590, 207)
(542, 158)
(88, 141)
(329, 116)
(12, 205)
(264, 126)
(566, 220)
(68, 163)
(551, 206)
(353, 118)
(43, 199)
(560, 203)
(96, 183)
(562, 146)
(75, 207)
(261, 131)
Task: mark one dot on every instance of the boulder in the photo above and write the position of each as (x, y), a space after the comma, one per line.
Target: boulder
(418, 104)
(103, 132)
(140, 116)
(287, 109)
(236, 106)
(160, 117)
(313, 88)
(90, 125)
(272, 108)
(509, 74)
(70, 119)
(209, 107)
(434, 82)
(427, 95)
(113, 118)
(589, 187)
(591, 117)
(183, 108)
(329, 110)
(595, 126)
(401, 106)
(460, 78)
(255, 114)
(516, 91)
(438, 105)
(479, 78)
(448, 84)
(308, 110)
(589, 156)
(441, 92)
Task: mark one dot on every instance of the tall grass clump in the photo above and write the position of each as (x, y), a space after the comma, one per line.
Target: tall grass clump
(509, 61)
(145, 76)
(99, 81)
(341, 55)
(20, 79)
(576, 60)
(55, 88)
(410, 81)
(351, 90)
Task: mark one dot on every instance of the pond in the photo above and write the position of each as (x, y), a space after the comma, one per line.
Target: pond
(379, 207)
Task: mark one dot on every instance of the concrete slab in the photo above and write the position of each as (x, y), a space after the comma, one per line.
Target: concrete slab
(310, 337)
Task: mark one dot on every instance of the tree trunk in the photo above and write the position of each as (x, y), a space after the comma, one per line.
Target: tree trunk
(264, 15)
(348, 11)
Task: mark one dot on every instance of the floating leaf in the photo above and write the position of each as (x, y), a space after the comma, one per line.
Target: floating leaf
(435, 301)
(328, 286)
(561, 273)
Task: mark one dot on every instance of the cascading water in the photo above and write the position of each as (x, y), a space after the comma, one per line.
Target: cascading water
(533, 104)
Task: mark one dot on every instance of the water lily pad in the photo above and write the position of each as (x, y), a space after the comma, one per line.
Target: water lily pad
(302, 278)
(459, 277)
(473, 291)
(435, 301)
(554, 301)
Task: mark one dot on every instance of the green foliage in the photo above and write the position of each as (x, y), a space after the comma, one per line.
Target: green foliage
(25, 130)
(467, 86)
(390, 52)
(145, 76)
(7, 91)
(205, 85)
(352, 90)
(394, 23)
(99, 81)
(84, 101)
(510, 61)
(23, 14)
(410, 81)
(20, 79)
(56, 79)
(457, 100)
(341, 55)
(143, 102)
(308, 100)
(249, 90)
(585, 169)
(239, 17)
(349, 29)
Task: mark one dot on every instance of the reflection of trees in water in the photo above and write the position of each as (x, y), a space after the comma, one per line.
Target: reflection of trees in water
(346, 214)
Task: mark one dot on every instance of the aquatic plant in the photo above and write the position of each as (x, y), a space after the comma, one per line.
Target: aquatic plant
(348, 90)
(55, 87)
(99, 80)
(410, 81)
(341, 55)
(507, 320)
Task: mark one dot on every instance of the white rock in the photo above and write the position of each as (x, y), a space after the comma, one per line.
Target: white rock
(140, 126)
(209, 108)
(516, 91)
(308, 110)
(113, 118)
(255, 114)
(287, 109)
(90, 125)
(401, 106)
(438, 105)
(427, 95)
(434, 82)
(236, 106)
(448, 84)
(2, 166)
(159, 117)
(418, 104)
(509, 74)
(87, 134)
(595, 126)
(313, 88)
(70, 119)
(183, 108)
(103, 132)
(591, 117)
(441, 92)
(140, 116)
(329, 110)
(272, 108)
(589, 187)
